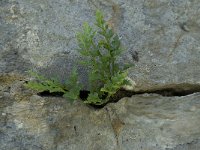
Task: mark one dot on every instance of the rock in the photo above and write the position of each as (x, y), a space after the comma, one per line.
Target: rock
(52, 123)
(167, 51)
(154, 122)
(146, 121)
(161, 38)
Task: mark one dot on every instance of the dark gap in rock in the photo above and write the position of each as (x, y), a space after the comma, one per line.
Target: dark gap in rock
(172, 92)
(48, 94)
(167, 92)
(84, 94)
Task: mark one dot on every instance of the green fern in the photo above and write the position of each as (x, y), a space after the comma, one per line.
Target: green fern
(74, 87)
(93, 98)
(106, 76)
(116, 82)
(43, 84)
(71, 88)
(100, 48)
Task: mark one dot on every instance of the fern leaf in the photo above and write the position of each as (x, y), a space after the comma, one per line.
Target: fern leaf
(93, 98)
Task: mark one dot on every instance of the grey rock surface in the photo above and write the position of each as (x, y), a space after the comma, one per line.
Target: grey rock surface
(161, 37)
(154, 122)
(146, 121)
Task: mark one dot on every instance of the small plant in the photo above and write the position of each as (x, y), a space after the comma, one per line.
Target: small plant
(70, 89)
(100, 49)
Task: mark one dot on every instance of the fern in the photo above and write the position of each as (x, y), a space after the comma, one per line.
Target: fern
(93, 98)
(100, 47)
(106, 76)
(70, 89)
(74, 87)
(43, 84)
(116, 82)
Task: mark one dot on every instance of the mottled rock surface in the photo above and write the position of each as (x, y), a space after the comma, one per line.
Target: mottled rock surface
(162, 39)
(147, 121)
(157, 123)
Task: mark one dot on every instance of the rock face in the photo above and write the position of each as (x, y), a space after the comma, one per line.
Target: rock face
(147, 121)
(162, 39)
(156, 122)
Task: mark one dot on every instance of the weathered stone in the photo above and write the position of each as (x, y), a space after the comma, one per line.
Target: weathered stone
(147, 121)
(154, 122)
(33, 122)
(168, 53)
(161, 38)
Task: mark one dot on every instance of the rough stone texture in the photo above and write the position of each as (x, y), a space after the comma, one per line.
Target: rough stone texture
(156, 123)
(161, 37)
(147, 121)
(168, 44)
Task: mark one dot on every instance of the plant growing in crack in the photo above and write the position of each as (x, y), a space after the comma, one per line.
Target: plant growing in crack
(100, 49)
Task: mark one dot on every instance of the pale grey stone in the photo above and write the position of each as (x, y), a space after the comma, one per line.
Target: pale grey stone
(146, 121)
(162, 39)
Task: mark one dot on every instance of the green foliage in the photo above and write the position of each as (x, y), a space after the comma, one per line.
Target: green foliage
(100, 47)
(93, 98)
(43, 84)
(70, 89)
(73, 86)
(116, 82)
